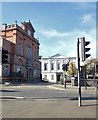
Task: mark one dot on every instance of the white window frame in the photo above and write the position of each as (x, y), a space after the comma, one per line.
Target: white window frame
(45, 66)
(52, 66)
(58, 66)
(52, 77)
(45, 77)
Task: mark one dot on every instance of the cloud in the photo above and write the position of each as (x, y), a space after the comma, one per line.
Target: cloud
(53, 33)
(87, 18)
(65, 43)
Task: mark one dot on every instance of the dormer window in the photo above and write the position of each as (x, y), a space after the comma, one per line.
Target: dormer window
(29, 32)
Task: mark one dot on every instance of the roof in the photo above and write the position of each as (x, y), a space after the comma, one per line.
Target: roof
(30, 25)
(58, 56)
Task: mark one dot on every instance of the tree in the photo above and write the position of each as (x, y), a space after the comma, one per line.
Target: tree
(72, 69)
(90, 66)
(90, 69)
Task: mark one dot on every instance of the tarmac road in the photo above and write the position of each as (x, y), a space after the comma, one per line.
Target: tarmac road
(45, 92)
(47, 101)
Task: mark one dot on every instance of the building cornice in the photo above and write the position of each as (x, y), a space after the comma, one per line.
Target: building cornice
(17, 27)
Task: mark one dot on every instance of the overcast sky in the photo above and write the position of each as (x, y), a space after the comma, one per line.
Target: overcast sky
(57, 24)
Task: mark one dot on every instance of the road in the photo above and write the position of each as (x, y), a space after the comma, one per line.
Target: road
(43, 91)
(42, 101)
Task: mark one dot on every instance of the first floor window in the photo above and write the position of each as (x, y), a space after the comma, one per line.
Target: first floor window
(52, 66)
(45, 66)
(20, 49)
(58, 66)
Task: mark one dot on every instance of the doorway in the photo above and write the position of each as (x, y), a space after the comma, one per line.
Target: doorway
(58, 78)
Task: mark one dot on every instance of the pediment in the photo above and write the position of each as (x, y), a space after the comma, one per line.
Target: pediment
(57, 56)
(29, 25)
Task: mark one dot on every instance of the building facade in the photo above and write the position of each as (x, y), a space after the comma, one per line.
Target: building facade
(51, 67)
(23, 51)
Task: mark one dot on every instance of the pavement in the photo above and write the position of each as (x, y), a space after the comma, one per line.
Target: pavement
(49, 85)
(70, 87)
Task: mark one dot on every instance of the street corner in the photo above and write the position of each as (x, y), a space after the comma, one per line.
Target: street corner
(71, 88)
(62, 87)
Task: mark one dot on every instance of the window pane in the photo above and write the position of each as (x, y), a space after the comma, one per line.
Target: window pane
(52, 66)
(45, 76)
(58, 66)
(20, 49)
(52, 77)
(45, 66)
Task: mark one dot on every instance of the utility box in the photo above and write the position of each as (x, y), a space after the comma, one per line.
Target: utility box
(74, 81)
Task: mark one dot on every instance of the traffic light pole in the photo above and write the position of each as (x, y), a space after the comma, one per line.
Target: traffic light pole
(79, 85)
(64, 79)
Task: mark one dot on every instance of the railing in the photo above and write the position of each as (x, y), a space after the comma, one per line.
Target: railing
(11, 79)
(89, 82)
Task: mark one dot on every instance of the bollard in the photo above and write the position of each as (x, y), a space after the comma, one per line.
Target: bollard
(64, 83)
(96, 84)
(85, 85)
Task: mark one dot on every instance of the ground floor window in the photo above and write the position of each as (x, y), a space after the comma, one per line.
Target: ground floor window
(45, 76)
(52, 77)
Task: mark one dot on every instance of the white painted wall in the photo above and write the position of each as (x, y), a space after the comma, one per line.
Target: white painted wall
(54, 72)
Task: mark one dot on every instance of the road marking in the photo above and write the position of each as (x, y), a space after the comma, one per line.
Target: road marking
(55, 87)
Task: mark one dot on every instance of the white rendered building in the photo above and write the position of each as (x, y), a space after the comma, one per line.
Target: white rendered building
(51, 67)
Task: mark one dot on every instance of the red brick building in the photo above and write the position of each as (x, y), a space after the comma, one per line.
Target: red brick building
(23, 51)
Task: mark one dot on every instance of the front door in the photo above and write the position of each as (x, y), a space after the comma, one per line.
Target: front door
(58, 78)
(29, 75)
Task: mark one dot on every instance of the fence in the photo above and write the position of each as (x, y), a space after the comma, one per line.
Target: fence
(90, 83)
(14, 78)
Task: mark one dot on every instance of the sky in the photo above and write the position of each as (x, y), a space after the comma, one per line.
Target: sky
(58, 25)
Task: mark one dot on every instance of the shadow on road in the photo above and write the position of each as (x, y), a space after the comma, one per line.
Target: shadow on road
(85, 98)
(39, 83)
(90, 105)
(9, 91)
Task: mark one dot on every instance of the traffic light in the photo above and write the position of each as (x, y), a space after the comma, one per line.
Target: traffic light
(96, 68)
(65, 66)
(84, 49)
(4, 56)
